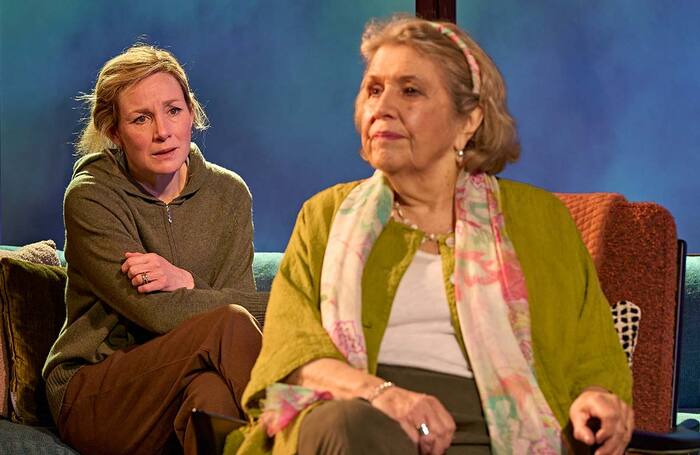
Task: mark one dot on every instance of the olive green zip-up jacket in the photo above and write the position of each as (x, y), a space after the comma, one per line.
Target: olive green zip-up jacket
(574, 341)
(207, 230)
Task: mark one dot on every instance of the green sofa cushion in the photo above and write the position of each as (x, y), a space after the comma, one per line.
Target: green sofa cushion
(265, 267)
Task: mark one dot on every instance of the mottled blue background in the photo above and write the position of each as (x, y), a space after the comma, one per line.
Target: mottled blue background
(605, 94)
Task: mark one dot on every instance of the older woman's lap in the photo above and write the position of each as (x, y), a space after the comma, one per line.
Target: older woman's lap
(354, 426)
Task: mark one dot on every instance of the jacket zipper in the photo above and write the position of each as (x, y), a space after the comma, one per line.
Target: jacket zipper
(171, 238)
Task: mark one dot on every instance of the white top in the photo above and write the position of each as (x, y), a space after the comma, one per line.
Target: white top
(420, 332)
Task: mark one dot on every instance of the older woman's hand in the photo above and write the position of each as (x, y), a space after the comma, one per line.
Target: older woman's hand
(616, 420)
(411, 409)
(149, 272)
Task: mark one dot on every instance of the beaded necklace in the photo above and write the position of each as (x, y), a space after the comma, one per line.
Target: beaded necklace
(449, 238)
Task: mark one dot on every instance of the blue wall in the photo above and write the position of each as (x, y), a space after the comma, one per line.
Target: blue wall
(605, 94)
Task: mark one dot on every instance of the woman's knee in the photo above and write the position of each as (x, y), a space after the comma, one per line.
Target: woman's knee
(233, 343)
(352, 426)
(236, 316)
(229, 323)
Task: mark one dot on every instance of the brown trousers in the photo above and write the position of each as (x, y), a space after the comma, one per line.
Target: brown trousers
(138, 400)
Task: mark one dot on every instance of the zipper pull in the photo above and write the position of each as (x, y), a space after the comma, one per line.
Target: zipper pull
(170, 218)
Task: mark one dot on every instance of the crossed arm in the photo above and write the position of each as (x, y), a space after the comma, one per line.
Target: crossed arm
(104, 248)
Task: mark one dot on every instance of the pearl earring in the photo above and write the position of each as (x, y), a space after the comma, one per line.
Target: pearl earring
(459, 156)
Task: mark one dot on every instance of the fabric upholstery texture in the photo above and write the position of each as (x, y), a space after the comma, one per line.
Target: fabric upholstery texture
(265, 267)
(26, 440)
(43, 252)
(634, 247)
(33, 311)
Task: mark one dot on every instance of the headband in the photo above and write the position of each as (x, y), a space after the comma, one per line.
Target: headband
(471, 61)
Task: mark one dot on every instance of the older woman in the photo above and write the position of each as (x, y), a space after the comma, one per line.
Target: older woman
(434, 307)
(159, 248)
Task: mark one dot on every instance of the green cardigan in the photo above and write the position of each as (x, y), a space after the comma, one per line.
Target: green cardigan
(574, 342)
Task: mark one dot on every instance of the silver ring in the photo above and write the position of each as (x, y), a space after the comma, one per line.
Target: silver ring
(423, 429)
(144, 278)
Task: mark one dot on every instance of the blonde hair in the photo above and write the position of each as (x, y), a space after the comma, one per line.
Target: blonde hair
(126, 69)
(495, 142)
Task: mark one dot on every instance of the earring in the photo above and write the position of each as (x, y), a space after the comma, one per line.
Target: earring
(459, 156)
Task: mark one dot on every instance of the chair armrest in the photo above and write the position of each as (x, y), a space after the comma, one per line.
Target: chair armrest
(678, 442)
(211, 430)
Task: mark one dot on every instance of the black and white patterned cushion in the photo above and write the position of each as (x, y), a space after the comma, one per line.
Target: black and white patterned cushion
(626, 316)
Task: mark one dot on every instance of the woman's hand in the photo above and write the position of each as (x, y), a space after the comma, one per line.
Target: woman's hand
(408, 408)
(616, 420)
(411, 409)
(149, 272)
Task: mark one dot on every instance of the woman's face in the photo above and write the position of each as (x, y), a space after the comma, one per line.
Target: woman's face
(154, 127)
(406, 116)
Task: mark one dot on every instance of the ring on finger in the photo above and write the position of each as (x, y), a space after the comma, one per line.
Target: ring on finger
(144, 278)
(423, 429)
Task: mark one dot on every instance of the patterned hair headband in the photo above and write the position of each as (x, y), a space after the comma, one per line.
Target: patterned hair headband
(471, 61)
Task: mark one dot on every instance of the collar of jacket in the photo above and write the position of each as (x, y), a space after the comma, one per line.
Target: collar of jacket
(195, 175)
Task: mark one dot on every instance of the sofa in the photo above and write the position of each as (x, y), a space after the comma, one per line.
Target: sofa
(32, 310)
(634, 247)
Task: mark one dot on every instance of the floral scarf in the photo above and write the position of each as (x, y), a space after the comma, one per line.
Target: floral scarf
(492, 307)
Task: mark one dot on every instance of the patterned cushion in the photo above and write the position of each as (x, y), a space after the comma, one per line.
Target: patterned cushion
(626, 316)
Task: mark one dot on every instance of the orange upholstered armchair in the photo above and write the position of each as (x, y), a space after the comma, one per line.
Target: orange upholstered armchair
(635, 249)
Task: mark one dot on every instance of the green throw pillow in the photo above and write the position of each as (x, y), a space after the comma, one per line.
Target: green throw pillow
(33, 310)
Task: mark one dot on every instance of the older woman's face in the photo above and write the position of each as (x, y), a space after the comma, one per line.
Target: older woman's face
(406, 118)
(154, 127)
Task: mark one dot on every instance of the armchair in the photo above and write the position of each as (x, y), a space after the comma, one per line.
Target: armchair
(637, 256)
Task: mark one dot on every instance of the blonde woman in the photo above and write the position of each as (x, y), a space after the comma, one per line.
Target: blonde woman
(159, 251)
